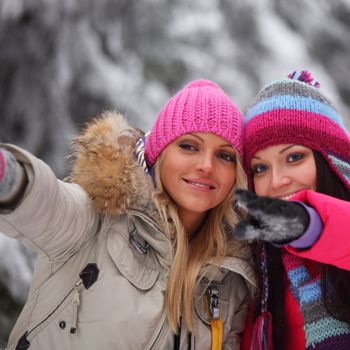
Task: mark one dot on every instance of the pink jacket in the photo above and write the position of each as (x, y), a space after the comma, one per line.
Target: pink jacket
(332, 247)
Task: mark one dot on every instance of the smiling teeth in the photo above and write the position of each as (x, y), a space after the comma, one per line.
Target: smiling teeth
(199, 184)
(287, 197)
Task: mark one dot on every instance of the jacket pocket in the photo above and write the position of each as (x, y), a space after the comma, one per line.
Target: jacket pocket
(139, 266)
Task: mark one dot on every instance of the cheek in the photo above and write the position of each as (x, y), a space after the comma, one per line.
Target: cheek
(260, 186)
(307, 174)
(312, 179)
(171, 170)
(165, 174)
(229, 179)
(166, 177)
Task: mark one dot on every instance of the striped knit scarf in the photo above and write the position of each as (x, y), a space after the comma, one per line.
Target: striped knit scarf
(321, 330)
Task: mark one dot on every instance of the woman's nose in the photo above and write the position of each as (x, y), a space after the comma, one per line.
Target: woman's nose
(205, 163)
(280, 178)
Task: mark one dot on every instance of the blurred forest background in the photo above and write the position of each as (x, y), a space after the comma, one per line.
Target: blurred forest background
(64, 61)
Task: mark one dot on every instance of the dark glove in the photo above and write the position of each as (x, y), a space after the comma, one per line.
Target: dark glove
(270, 219)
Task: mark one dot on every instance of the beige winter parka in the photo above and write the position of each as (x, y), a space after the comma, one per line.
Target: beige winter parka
(103, 258)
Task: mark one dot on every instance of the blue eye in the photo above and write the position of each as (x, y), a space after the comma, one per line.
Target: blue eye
(259, 168)
(294, 157)
(227, 157)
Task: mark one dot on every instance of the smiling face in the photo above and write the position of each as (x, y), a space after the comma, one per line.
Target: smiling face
(198, 171)
(282, 170)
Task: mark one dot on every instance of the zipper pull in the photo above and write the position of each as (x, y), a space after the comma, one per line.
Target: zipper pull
(213, 302)
(76, 303)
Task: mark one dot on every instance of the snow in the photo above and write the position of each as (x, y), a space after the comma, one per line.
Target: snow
(65, 61)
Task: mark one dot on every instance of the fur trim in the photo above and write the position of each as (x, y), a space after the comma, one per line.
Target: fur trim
(104, 165)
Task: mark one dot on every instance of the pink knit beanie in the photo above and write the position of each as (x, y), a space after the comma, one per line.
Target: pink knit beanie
(201, 106)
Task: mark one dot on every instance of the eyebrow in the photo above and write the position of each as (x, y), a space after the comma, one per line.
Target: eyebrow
(286, 148)
(200, 138)
(281, 151)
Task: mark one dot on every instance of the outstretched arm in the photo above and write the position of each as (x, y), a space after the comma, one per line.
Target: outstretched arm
(291, 223)
(49, 216)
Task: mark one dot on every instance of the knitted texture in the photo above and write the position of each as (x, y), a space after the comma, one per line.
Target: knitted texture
(294, 111)
(201, 106)
(321, 330)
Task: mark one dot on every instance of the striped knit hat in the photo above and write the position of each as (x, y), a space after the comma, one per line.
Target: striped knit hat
(294, 111)
(201, 106)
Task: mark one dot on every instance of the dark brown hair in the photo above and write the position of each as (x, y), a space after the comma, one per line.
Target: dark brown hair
(335, 282)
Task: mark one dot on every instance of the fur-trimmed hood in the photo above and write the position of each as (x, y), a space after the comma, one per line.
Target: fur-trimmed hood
(105, 165)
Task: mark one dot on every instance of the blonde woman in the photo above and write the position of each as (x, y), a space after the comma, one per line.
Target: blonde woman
(136, 251)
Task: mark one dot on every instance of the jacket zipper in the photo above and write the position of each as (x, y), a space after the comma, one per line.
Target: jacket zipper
(76, 303)
(75, 288)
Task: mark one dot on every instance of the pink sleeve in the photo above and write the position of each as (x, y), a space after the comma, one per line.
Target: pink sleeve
(333, 246)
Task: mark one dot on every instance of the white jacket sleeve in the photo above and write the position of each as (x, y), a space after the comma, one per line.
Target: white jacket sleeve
(54, 218)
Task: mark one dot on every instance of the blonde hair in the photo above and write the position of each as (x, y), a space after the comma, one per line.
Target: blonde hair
(188, 257)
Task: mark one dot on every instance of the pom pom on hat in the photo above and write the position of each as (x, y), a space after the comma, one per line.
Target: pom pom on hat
(201, 106)
(295, 111)
(304, 76)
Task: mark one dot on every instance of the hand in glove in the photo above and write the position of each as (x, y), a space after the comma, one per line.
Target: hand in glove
(270, 219)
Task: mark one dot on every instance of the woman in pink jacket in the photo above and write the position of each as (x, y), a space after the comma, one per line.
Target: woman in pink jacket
(298, 160)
